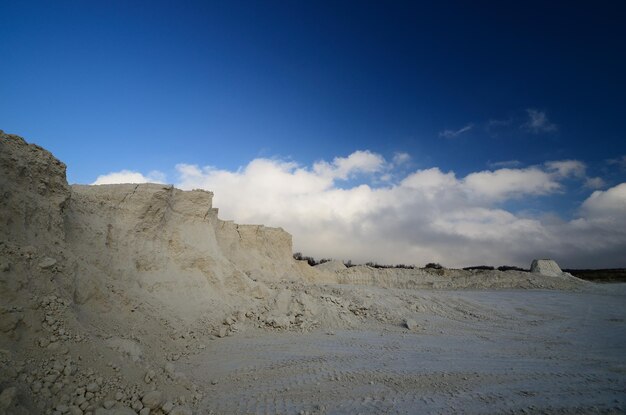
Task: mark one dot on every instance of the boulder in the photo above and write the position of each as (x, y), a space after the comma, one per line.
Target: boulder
(47, 263)
(9, 319)
(411, 324)
(152, 399)
(547, 267)
(122, 410)
(279, 322)
(75, 410)
(7, 396)
(180, 410)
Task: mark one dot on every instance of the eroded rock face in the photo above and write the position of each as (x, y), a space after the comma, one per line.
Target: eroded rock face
(169, 247)
(149, 270)
(151, 226)
(33, 194)
(547, 267)
(128, 243)
(263, 253)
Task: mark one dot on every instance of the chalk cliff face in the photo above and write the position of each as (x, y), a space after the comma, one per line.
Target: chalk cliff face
(140, 275)
(33, 198)
(170, 245)
(148, 227)
(34, 193)
(130, 243)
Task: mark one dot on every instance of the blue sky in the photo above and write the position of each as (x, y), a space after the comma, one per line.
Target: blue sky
(464, 88)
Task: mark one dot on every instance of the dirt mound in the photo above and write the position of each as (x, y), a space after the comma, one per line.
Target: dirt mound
(427, 278)
(331, 266)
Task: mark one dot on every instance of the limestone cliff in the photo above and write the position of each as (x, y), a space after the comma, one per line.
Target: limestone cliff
(34, 194)
(145, 244)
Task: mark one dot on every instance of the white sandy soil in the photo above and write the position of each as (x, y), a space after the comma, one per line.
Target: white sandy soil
(476, 352)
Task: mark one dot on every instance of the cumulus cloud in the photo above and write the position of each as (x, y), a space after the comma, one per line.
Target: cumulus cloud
(608, 205)
(427, 215)
(538, 122)
(567, 168)
(594, 182)
(574, 169)
(401, 158)
(129, 176)
(417, 217)
(510, 183)
(355, 163)
(455, 133)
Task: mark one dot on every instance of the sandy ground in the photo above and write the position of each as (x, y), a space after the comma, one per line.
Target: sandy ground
(518, 351)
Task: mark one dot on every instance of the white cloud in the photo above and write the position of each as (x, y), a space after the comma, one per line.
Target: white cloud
(428, 215)
(423, 216)
(401, 158)
(594, 182)
(607, 205)
(511, 183)
(482, 224)
(128, 176)
(567, 168)
(455, 133)
(355, 163)
(538, 122)
(574, 169)
(431, 179)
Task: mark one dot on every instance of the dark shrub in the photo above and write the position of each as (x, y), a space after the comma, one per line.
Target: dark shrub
(511, 268)
(433, 265)
(298, 256)
(480, 267)
(376, 265)
(404, 266)
(313, 262)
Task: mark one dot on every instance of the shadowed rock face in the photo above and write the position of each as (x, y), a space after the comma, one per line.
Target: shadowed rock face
(33, 194)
